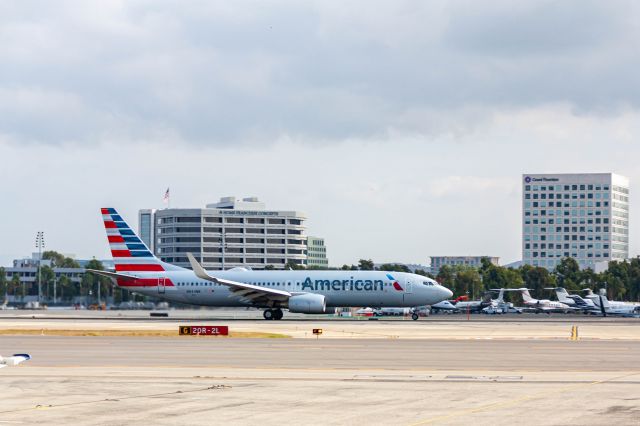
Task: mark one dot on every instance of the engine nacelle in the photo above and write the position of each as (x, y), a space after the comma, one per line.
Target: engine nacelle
(308, 304)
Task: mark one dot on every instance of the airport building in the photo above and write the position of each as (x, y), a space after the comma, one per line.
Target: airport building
(26, 269)
(583, 216)
(316, 252)
(230, 233)
(438, 262)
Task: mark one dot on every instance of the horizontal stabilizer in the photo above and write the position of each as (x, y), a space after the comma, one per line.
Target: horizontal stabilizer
(114, 275)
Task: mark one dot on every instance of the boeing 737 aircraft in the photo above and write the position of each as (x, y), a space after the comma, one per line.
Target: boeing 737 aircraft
(308, 292)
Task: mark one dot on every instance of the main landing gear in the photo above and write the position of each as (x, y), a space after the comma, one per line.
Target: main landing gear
(273, 314)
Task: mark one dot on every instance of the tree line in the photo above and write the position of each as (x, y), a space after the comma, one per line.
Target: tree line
(90, 286)
(621, 279)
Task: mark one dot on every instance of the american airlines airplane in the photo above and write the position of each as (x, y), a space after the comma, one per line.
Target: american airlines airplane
(308, 292)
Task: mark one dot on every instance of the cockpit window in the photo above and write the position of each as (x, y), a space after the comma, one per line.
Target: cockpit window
(428, 283)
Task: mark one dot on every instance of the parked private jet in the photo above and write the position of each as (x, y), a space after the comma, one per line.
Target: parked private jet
(540, 305)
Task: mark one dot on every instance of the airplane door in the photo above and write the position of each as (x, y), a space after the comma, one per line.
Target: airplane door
(409, 286)
(408, 290)
(161, 285)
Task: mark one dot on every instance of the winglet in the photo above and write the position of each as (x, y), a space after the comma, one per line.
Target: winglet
(26, 357)
(198, 269)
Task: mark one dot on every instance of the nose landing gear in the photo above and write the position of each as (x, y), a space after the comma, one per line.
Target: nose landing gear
(273, 314)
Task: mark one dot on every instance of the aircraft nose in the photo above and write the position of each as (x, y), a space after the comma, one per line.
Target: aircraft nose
(445, 293)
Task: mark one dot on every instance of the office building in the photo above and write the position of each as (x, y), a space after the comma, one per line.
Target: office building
(316, 252)
(583, 216)
(438, 262)
(146, 228)
(230, 233)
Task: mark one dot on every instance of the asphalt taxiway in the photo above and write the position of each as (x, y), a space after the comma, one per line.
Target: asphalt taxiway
(389, 372)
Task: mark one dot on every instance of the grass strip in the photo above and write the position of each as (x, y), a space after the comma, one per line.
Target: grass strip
(133, 333)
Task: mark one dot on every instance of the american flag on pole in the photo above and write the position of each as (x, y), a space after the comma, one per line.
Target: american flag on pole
(165, 199)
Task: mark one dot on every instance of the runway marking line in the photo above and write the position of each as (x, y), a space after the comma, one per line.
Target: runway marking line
(515, 401)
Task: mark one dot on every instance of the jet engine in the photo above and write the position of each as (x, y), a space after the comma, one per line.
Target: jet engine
(308, 304)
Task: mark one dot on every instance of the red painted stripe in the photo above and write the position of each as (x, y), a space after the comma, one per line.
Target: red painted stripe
(143, 282)
(115, 239)
(120, 253)
(139, 267)
(104, 211)
(109, 224)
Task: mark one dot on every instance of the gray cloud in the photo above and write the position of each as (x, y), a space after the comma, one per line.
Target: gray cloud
(400, 127)
(214, 73)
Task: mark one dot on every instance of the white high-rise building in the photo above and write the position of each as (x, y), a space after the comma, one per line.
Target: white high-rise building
(316, 252)
(230, 233)
(583, 216)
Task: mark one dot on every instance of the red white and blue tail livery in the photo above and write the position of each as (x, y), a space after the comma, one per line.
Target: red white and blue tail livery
(310, 292)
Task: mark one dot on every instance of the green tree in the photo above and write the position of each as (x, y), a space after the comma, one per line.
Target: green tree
(616, 277)
(537, 278)
(588, 279)
(95, 284)
(568, 274)
(494, 276)
(394, 267)
(17, 287)
(3, 284)
(424, 273)
(365, 265)
(633, 287)
(47, 275)
(65, 288)
(55, 257)
(468, 281)
(293, 266)
(446, 276)
(59, 260)
(69, 263)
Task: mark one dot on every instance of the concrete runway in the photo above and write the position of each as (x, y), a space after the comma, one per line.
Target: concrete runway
(200, 380)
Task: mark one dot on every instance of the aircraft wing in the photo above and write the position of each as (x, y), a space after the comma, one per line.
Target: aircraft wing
(248, 292)
(10, 361)
(114, 275)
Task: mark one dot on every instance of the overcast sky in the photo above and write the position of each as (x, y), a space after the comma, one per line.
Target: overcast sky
(401, 128)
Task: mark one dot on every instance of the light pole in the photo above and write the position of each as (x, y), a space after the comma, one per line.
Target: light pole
(40, 246)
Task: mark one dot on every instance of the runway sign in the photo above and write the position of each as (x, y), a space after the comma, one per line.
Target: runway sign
(203, 330)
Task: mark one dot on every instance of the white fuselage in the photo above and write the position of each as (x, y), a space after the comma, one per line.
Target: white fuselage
(340, 288)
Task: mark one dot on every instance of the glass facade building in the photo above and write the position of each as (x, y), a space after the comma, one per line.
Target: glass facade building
(583, 216)
(317, 252)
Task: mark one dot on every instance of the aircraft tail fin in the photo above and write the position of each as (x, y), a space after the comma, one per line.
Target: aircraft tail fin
(562, 294)
(130, 253)
(526, 296)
